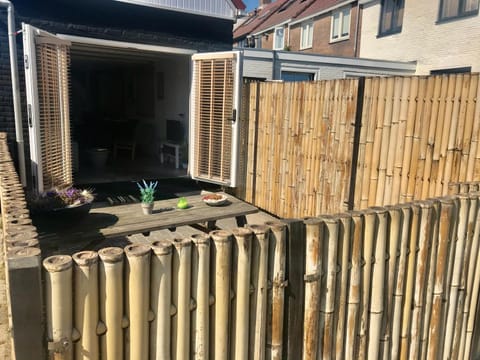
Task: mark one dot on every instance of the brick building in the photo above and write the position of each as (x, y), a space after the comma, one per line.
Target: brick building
(327, 27)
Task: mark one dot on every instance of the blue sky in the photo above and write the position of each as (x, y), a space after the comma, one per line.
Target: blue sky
(251, 4)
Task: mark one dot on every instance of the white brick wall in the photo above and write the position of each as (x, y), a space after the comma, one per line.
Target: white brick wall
(434, 46)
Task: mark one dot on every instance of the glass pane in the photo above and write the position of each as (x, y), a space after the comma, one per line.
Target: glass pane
(471, 5)
(278, 38)
(346, 22)
(387, 13)
(335, 25)
(449, 8)
(399, 15)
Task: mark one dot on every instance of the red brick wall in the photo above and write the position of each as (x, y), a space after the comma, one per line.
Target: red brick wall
(321, 37)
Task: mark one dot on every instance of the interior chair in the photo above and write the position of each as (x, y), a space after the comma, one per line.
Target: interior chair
(125, 137)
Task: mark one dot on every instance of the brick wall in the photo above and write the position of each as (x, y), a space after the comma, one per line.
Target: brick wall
(321, 37)
(435, 46)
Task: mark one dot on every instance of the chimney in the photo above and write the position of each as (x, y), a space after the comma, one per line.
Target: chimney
(262, 3)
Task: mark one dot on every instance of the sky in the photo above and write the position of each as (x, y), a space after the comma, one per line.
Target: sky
(251, 4)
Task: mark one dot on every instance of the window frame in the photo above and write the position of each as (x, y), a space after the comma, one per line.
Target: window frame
(392, 30)
(461, 14)
(340, 26)
(310, 25)
(274, 47)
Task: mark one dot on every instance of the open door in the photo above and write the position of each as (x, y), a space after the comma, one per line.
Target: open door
(47, 63)
(214, 125)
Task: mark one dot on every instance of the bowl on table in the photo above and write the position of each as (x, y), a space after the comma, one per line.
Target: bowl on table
(215, 199)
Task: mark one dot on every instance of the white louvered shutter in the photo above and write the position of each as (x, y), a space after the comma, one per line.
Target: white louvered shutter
(214, 125)
(47, 65)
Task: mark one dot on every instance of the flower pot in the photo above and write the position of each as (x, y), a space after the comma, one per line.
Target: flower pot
(147, 208)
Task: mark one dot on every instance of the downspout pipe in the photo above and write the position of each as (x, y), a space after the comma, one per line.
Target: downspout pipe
(12, 44)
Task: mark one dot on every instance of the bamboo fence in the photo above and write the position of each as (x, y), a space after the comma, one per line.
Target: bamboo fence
(396, 282)
(330, 146)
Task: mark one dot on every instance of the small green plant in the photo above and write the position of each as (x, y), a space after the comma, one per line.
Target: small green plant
(147, 191)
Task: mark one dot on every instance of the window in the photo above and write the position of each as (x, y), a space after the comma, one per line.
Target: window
(340, 25)
(391, 18)
(306, 36)
(278, 39)
(460, 70)
(297, 76)
(450, 9)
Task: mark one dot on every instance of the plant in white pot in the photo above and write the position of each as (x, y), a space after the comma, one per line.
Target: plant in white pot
(147, 195)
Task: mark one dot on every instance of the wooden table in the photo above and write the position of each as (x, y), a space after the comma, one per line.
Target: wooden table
(105, 221)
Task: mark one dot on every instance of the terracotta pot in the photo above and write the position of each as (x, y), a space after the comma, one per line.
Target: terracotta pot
(147, 208)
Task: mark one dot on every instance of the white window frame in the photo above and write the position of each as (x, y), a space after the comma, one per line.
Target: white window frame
(306, 35)
(275, 36)
(341, 14)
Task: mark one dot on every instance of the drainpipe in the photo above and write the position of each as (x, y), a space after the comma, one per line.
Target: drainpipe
(15, 88)
(357, 25)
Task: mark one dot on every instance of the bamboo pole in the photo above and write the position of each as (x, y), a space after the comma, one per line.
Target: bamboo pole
(409, 282)
(243, 238)
(182, 265)
(470, 345)
(385, 114)
(377, 304)
(474, 222)
(456, 275)
(430, 280)
(313, 268)
(344, 235)
(464, 291)
(160, 300)
(444, 234)
(368, 246)
(86, 304)
(278, 241)
(377, 142)
(201, 292)
(474, 140)
(58, 286)
(329, 243)
(408, 141)
(354, 290)
(400, 135)
(393, 236)
(138, 274)
(368, 126)
(111, 302)
(399, 286)
(223, 247)
(421, 277)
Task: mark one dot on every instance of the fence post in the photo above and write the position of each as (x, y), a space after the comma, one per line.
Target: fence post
(138, 302)
(85, 272)
(279, 282)
(58, 284)
(111, 302)
(161, 299)
(313, 268)
(294, 305)
(223, 249)
(201, 293)
(26, 302)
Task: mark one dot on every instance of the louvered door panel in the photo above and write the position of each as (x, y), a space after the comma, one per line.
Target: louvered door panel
(214, 133)
(47, 67)
(52, 69)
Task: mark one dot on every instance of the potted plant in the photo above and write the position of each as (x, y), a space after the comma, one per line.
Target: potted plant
(66, 204)
(147, 195)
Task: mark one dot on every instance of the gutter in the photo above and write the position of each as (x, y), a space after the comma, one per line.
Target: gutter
(15, 88)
